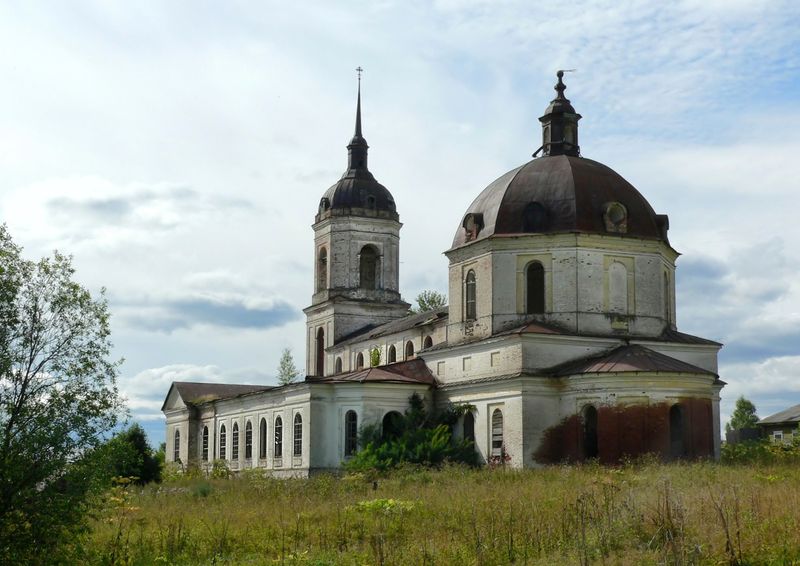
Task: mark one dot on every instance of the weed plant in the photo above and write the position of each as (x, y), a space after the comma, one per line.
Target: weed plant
(638, 513)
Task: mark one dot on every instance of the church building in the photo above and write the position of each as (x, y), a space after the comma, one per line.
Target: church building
(560, 332)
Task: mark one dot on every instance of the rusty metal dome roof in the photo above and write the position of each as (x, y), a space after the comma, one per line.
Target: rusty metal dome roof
(558, 194)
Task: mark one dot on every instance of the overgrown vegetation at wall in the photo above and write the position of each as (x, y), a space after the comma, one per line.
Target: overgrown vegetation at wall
(645, 513)
(416, 437)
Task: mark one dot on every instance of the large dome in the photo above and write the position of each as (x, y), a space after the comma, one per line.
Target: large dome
(557, 194)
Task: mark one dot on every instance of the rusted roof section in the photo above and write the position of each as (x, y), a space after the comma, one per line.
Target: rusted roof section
(405, 323)
(790, 415)
(573, 193)
(670, 335)
(194, 393)
(633, 358)
(411, 371)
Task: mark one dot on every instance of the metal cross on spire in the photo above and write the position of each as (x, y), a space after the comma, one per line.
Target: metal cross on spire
(359, 70)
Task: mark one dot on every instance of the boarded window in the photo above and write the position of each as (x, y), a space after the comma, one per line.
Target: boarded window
(368, 268)
(590, 448)
(248, 440)
(262, 439)
(278, 449)
(469, 294)
(222, 442)
(297, 436)
(176, 446)
(235, 442)
(534, 280)
(350, 433)
(322, 270)
(409, 350)
(320, 352)
(497, 434)
(469, 426)
(617, 288)
(391, 357)
(205, 444)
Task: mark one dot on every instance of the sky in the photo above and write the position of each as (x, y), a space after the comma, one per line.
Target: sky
(178, 150)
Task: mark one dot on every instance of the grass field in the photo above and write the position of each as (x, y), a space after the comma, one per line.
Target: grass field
(645, 513)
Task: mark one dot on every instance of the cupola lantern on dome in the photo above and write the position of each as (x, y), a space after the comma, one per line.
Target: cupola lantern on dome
(560, 125)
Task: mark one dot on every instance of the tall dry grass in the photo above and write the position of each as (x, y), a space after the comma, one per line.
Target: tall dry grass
(645, 513)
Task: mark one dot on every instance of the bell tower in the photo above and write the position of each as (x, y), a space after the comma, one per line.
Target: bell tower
(356, 258)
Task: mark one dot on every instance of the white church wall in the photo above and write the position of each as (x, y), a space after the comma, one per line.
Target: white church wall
(700, 355)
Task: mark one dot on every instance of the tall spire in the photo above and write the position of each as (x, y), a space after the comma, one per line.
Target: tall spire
(357, 148)
(560, 123)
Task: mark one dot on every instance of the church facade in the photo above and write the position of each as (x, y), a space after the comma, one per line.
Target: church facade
(560, 332)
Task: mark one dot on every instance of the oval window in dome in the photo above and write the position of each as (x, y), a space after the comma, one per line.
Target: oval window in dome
(534, 217)
(615, 217)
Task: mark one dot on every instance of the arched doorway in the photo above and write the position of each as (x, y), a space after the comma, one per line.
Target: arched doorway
(590, 448)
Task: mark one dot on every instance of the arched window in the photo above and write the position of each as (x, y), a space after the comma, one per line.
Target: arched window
(278, 451)
(617, 288)
(667, 301)
(248, 440)
(176, 446)
(338, 365)
(470, 306)
(391, 357)
(392, 425)
(360, 361)
(469, 426)
(350, 433)
(262, 438)
(428, 343)
(534, 280)
(497, 434)
(409, 350)
(235, 442)
(368, 268)
(205, 444)
(297, 437)
(676, 421)
(590, 449)
(320, 352)
(222, 442)
(322, 269)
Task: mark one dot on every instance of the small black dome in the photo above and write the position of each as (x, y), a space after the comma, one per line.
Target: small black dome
(358, 193)
(557, 194)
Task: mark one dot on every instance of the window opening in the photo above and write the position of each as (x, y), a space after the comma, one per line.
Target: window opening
(368, 268)
(471, 310)
(298, 435)
(248, 440)
(176, 446)
(235, 442)
(497, 433)
(278, 451)
(534, 276)
(262, 438)
(205, 444)
(350, 433)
